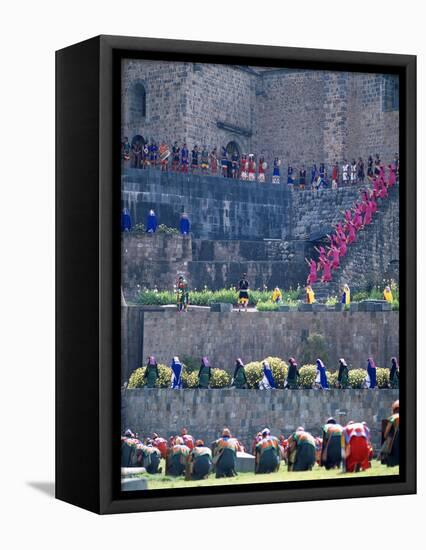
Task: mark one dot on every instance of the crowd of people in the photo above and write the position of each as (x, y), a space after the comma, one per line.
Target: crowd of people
(292, 382)
(247, 167)
(354, 220)
(348, 447)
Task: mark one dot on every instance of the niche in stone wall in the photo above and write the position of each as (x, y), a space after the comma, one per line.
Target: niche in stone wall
(137, 102)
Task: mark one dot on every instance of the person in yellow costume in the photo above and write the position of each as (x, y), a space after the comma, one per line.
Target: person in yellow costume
(310, 296)
(387, 294)
(277, 295)
(346, 295)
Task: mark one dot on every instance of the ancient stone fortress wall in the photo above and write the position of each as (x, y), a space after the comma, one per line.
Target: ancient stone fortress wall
(254, 336)
(205, 412)
(300, 116)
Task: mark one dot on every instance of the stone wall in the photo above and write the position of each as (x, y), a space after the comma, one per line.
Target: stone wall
(205, 412)
(254, 336)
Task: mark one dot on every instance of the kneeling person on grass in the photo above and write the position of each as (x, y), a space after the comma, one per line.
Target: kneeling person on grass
(225, 455)
(331, 455)
(199, 462)
(150, 457)
(357, 448)
(267, 454)
(177, 458)
(301, 451)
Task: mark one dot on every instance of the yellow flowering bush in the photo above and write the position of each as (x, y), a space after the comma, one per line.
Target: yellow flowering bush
(357, 378)
(382, 376)
(220, 378)
(307, 376)
(254, 373)
(137, 379)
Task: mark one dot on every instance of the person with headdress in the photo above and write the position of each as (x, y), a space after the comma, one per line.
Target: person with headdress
(176, 366)
(301, 452)
(126, 220)
(149, 457)
(292, 382)
(151, 222)
(331, 452)
(244, 167)
(389, 452)
(251, 168)
(394, 374)
(151, 372)
(160, 443)
(261, 170)
(125, 149)
(239, 379)
(184, 224)
(225, 454)
(276, 170)
(387, 294)
(175, 156)
(188, 439)
(267, 382)
(290, 174)
(321, 381)
(184, 158)
(213, 161)
(177, 458)
(343, 374)
(182, 293)
(204, 159)
(267, 454)
(310, 295)
(200, 462)
(243, 292)
(357, 450)
(235, 161)
(277, 296)
(204, 374)
(371, 375)
(346, 295)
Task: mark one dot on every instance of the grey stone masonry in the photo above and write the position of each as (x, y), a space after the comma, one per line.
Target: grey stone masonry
(206, 412)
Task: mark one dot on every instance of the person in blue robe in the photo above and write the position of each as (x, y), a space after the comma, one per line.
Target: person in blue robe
(184, 224)
(370, 379)
(321, 378)
(290, 175)
(176, 367)
(151, 222)
(126, 220)
(267, 382)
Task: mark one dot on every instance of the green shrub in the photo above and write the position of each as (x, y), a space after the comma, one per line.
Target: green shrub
(307, 376)
(357, 378)
(137, 379)
(162, 228)
(267, 306)
(382, 376)
(190, 379)
(254, 373)
(138, 228)
(279, 370)
(220, 379)
(152, 298)
(395, 305)
(331, 301)
(332, 379)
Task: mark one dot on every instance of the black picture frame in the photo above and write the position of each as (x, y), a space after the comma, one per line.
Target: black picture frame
(88, 273)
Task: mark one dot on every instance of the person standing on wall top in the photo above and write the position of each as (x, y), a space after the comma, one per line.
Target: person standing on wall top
(345, 172)
(290, 174)
(243, 292)
(224, 162)
(126, 220)
(292, 382)
(239, 379)
(176, 366)
(151, 372)
(204, 160)
(394, 374)
(194, 160)
(251, 168)
(371, 374)
(235, 161)
(276, 171)
(213, 162)
(125, 149)
(184, 155)
(314, 173)
(151, 222)
(302, 178)
(175, 157)
(346, 295)
(204, 374)
(353, 172)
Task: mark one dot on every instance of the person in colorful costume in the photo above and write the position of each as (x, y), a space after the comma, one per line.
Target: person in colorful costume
(188, 439)
(267, 382)
(394, 374)
(314, 174)
(387, 294)
(151, 372)
(176, 366)
(321, 381)
(261, 171)
(290, 175)
(302, 178)
(343, 374)
(184, 156)
(292, 382)
(151, 222)
(177, 458)
(267, 454)
(125, 149)
(356, 445)
(244, 168)
(235, 161)
(371, 375)
(149, 457)
(335, 176)
(175, 157)
(128, 448)
(153, 154)
(251, 168)
(276, 171)
(182, 292)
(213, 162)
(204, 160)
(312, 277)
(346, 295)
(224, 163)
(243, 292)
(353, 171)
(239, 379)
(164, 152)
(160, 443)
(389, 452)
(323, 173)
(301, 451)
(194, 159)
(331, 453)
(184, 224)
(225, 455)
(310, 295)
(277, 296)
(126, 220)
(200, 462)
(204, 374)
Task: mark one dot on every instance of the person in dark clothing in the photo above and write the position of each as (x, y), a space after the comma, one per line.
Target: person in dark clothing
(239, 380)
(243, 292)
(331, 453)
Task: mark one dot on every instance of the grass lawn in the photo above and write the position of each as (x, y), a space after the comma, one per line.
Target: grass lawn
(160, 481)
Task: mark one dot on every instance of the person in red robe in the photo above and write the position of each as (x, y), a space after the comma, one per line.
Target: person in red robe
(392, 175)
(312, 277)
(188, 440)
(160, 443)
(326, 266)
(357, 447)
(335, 254)
(352, 233)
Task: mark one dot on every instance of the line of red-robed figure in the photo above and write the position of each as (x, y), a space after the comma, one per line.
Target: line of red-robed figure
(354, 220)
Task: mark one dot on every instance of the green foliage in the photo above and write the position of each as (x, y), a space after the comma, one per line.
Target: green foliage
(137, 379)
(314, 347)
(152, 298)
(138, 228)
(382, 376)
(164, 376)
(307, 376)
(190, 379)
(190, 364)
(254, 374)
(220, 379)
(357, 378)
(279, 370)
(331, 301)
(395, 305)
(332, 379)
(162, 228)
(267, 306)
